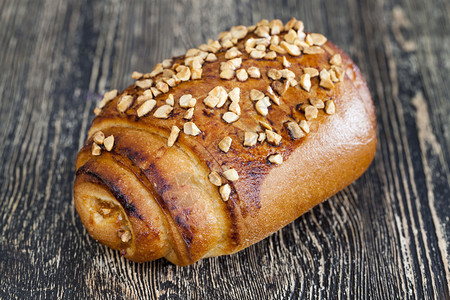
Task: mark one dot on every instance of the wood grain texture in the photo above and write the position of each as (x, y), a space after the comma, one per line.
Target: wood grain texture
(387, 236)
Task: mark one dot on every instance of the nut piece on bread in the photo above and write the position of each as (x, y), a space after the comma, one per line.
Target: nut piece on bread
(296, 140)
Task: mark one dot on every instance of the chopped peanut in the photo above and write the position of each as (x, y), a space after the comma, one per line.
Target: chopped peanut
(231, 175)
(225, 144)
(109, 143)
(173, 136)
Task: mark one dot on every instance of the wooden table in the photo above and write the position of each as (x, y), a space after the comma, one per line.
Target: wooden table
(384, 237)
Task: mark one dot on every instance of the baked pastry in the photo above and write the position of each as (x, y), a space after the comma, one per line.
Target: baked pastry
(217, 149)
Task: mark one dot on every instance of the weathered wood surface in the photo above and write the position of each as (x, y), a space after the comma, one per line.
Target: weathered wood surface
(384, 237)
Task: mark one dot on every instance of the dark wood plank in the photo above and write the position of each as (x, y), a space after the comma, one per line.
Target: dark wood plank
(384, 237)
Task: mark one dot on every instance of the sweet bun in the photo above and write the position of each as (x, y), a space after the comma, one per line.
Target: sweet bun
(217, 149)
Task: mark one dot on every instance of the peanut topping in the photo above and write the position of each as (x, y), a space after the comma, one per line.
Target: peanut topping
(272, 96)
(311, 71)
(313, 50)
(189, 114)
(232, 53)
(311, 112)
(99, 137)
(265, 125)
(276, 26)
(336, 60)
(230, 117)
(261, 107)
(238, 32)
(317, 103)
(274, 74)
(186, 101)
(225, 192)
(109, 143)
(339, 72)
(225, 35)
(276, 159)
(277, 48)
(261, 47)
(163, 112)
(146, 107)
(257, 54)
(96, 150)
(162, 86)
(270, 55)
(330, 108)
(155, 91)
(211, 57)
(290, 37)
(253, 72)
(107, 98)
(225, 144)
(267, 45)
(211, 101)
(194, 62)
(261, 137)
(170, 101)
(295, 130)
(234, 107)
(234, 94)
(286, 73)
(144, 84)
(275, 40)
(290, 24)
(256, 95)
(167, 73)
(190, 128)
(292, 81)
(286, 63)
(221, 94)
(147, 95)
(262, 31)
(213, 46)
(157, 70)
(167, 63)
(136, 75)
(227, 74)
(241, 75)
(291, 49)
(279, 87)
(184, 73)
(266, 101)
(227, 65)
(273, 137)
(173, 136)
(308, 40)
(215, 178)
(231, 175)
(325, 79)
(196, 74)
(318, 39)
(305, 81)
(192, 52)
(124, 103)
(304, 126)
(227, 44)
(250, 138)
(250, 45)
(333, 76)
(171, 81)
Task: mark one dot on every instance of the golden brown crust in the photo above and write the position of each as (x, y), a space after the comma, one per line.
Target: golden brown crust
(167, 204)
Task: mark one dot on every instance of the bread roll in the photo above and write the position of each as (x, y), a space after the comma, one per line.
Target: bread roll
(215, 150)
